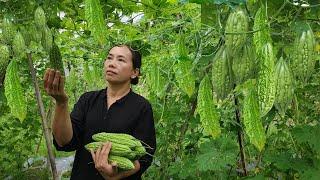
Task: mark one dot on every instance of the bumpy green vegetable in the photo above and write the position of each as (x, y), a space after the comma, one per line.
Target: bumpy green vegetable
(184, 76)
(237, 24)
(266, 80)
(19, 45)
(14, 92)
(40, 18)
(303, 60)
(139, 151)
(4, 59)
(122, 162)
(123, 145)
(182, 49)
(56, 59)
(220, 74)
(46, 39)
(156, 80)
(284, 86)
(117, 135)
(116, 149)
(8, 31)
(206, 108)
(244, 66)
(95, 19)
(262, 34)
(30, 33)
(251, 118)
(124, 140)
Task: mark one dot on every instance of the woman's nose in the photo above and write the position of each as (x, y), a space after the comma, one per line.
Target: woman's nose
(110, 63)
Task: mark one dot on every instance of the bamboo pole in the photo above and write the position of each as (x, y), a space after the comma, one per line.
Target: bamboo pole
(43, 118)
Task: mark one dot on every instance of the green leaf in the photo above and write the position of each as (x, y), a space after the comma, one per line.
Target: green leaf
(228, 2)
(311, 174)
(216, 155)
(14, 92)
(286, 161)
(309, 135)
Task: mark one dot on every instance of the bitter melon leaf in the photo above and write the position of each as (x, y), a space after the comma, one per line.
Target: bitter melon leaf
(311, 174)
(309, 135)
(184, 169)
(216, 154)
(285, 161)
(14, 92)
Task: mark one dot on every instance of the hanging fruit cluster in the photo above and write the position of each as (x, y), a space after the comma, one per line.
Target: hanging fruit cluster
(15, 42)
(250, 63)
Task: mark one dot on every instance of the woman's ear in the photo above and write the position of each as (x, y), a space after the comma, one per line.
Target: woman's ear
(136, 73)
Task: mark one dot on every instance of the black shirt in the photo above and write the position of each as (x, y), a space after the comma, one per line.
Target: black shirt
(132, 114)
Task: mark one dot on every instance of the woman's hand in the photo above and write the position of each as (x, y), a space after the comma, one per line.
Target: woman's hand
(101, 163)
(110, 171)
(54, 86)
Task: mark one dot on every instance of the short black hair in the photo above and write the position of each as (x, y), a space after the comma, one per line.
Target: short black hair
(136, 61)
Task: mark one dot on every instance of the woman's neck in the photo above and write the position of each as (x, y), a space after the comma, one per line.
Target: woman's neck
(117, 90)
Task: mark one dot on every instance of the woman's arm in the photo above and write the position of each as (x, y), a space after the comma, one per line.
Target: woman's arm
(61, 125)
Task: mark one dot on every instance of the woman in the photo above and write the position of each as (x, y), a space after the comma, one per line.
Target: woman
(114, 109)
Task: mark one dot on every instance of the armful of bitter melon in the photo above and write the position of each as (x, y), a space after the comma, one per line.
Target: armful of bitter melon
(108, 165)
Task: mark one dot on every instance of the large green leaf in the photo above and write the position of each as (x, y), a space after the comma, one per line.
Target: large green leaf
(228, 2)
(309, 135)
(286, 161)
(216, 155)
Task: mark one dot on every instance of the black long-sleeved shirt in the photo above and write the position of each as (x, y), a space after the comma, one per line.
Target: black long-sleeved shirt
(132, 114)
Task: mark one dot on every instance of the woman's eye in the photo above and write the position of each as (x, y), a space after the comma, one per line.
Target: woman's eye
(122, 60)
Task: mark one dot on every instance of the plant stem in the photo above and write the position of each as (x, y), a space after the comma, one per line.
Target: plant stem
(240, 140)
(43, 118)
(238, 116)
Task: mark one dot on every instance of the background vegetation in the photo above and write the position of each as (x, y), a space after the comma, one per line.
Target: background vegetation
(199, 135)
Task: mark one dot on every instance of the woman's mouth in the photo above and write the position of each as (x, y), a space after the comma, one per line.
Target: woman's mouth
(109, 72)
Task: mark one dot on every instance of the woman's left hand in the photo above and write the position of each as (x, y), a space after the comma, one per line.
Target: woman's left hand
(110, 171)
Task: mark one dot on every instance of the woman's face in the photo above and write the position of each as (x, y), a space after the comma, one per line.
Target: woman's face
(118, 67)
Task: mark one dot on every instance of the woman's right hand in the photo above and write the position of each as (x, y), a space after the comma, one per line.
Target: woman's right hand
(54, 86)
(107, 170)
